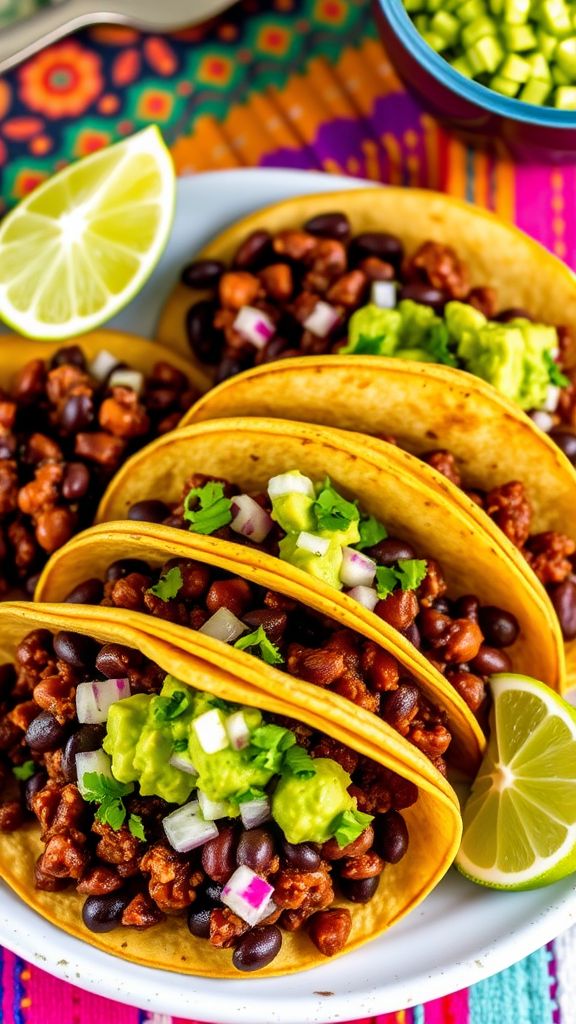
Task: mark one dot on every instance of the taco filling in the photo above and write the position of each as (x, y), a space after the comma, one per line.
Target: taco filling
(285, 634)
(317, 290)
(156, 799)
(311, 526)
(66, 425)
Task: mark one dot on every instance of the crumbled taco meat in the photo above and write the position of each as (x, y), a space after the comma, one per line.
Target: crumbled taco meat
(114, 844)
(65, 428)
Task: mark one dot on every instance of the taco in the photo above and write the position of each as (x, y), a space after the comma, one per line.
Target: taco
(347, 517)
(250, 619)
(180, 820)
(402, 273)
(68, 417)
(460, 426)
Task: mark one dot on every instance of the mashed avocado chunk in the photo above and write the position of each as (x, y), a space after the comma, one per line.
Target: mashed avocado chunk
(323, 567)
(306, 809)
(517, 357)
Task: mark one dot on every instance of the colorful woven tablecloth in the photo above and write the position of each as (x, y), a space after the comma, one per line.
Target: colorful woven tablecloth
(275, 83)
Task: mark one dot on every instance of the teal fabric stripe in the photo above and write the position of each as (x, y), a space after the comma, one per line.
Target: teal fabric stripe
(418, 1015)
(520, 995)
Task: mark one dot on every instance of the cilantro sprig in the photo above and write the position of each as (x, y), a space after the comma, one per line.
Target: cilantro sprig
(407, 574)
(169, 585)
(166, 709)
(437, 344)
(332, 511)
(266, 649)
(555, 375)
(349, 825)
(298, 762)
(109, 794)
(268, 745)
(25, 771)
(211, 508)
(371, 532)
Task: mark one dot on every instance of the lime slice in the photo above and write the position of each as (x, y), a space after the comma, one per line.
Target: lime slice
(80, 246)
(520, 817)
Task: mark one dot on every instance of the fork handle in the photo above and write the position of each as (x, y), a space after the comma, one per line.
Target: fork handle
(21, 40)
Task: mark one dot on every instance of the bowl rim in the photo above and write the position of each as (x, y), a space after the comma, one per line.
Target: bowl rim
(514, 109)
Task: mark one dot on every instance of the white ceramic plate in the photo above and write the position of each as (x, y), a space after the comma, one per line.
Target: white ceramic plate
(462, 933)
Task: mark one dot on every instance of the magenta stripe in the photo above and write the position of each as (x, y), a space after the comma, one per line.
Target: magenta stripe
(449, 1010)
(533, 203)
(553, 972)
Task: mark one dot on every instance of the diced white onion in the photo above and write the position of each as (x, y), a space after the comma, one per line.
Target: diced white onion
(255, 812)
(103, 364)
(209, 728)
(543, 420)
(357, 569)
(212, 809)
(383, 294)
(248, 895)
(250, 519)
(254, 325)
(92, 761)
(322, 319)
(310, 542)
(366, 596)
(238, 731)
(186, 830)
(552, 396)
(290, 483)
(183, 763)
(224, 626)
(127, 379)
(94, 700)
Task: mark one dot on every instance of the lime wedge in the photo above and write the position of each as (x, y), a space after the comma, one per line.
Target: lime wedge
(80, 246)
(520, 817)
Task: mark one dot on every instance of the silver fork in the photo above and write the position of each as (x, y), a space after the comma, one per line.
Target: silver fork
(25, 37)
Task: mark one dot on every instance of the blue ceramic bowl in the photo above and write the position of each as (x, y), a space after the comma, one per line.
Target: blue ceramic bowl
(477, 114)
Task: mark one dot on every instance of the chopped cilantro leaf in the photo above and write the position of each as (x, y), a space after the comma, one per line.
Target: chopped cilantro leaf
(332, 511)
(436, 344)
(364, 346)
(411, 572)
(371, 533)
(386, 580)
(222, 705)
(266, 649)
(268, 744)
(136, 827)
(169, 585)
(112, 812)
(349, 825)
(25, 771)
(213, 510)
(166, 709)
(249, 794)
(555, 375)
(108, 793)
(180, 745)
(298, 762)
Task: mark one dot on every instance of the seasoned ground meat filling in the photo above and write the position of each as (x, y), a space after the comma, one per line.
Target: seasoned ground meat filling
(136, 880)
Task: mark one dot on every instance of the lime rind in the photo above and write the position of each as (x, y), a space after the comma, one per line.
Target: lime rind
(520, 818)
(82, 245)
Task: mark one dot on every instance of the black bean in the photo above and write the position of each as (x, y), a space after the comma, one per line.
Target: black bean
(379, 244)
(229, 367)
(513, 313)
(301, 856)
(391, 836)
(424, 294)
(467, 607)
(76, 481)
(77, 414)
(397, 705)
(412, 634)
(257, 948)
(124, 566)
(8, 446)
(254, 252)
(199, 921)
(255, 849)
(329, 225)
(219, 855)
(87, 737)
(563, 597)
(389, 551)
(273, 349)
(88, 592)
(104, 913)
(76, 650)
(7, 679)
(273, 622)
(500, 628)
(162, 399)
(45, 733)
(115, 661)
(70, 355)
(205, 340)
(490, 660)
(150, 511)
(32, 583)
(566, 441)
(359, 890)
(202, 274)
(33, 786)
(212, 892)
(442, 605)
